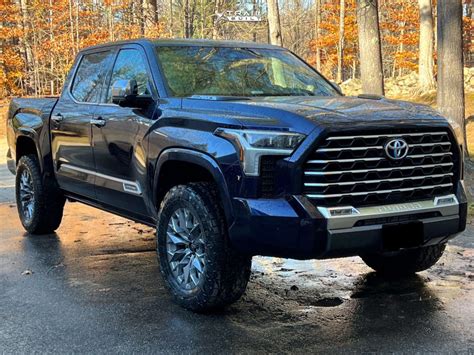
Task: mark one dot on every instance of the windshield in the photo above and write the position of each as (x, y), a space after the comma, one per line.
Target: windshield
(239, 72)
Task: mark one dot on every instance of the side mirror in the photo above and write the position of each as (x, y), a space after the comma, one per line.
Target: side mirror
(124, 91)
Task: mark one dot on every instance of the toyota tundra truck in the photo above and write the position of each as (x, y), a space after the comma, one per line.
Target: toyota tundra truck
(234, 149)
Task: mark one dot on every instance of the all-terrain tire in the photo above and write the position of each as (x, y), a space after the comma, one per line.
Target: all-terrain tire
(405, 262)
(47, 199)
(226, 272)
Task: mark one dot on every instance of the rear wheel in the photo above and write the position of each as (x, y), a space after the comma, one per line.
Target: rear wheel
(40, 203)
(405, 262)
(199, 266)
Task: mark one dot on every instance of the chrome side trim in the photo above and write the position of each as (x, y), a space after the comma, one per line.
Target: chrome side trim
(378, 192)
(429, 155)
(323, 150)
(375, 159)
(337, 221)
(343, 160)
(131, 187)
(388, 135)
(318, 173)
(317, 184)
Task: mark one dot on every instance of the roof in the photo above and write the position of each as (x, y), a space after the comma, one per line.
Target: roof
(189, 42)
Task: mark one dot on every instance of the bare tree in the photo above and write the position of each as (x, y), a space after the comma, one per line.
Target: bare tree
(370, 47)
(450, 98)
(170, 18)
(340, 46)
(25, 46)
(150, 13)
(425, 63)
(216, 25)
(317, 9)
(274, 26)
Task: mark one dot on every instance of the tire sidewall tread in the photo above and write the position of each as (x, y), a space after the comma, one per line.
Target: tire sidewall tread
(227, 272)
(49, 200)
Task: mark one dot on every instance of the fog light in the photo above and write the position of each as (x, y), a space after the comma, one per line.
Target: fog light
(445, 200)
(332, 212)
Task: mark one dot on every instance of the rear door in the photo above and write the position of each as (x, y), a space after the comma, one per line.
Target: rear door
(119, 137)
(71, 132)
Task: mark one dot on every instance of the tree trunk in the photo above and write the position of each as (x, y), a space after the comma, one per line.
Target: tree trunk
(51, 39)
(150, 16)
(151, 13)
(26, 49)
(186, 19)
(426, 80)
(401, 48)
(77, 27)
(450, 98)
(340, 47)
(369, 47)
(318, 34)
(216, 25)
(274, 26)
(170, 19)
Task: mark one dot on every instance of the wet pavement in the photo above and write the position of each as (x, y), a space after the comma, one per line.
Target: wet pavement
(94, 286)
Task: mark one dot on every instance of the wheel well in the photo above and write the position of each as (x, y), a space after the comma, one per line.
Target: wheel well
(174, 173)
(25, 146)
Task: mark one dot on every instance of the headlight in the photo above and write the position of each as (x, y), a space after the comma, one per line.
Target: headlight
(252, 144)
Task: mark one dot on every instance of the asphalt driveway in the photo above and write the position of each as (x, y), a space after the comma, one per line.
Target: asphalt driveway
(94, 286)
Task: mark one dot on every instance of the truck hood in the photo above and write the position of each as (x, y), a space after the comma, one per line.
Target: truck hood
(305, 114)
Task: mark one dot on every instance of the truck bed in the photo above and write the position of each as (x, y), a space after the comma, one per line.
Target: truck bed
(36, 106)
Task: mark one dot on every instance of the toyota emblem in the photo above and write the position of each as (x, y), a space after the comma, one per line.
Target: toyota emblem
(396, 149)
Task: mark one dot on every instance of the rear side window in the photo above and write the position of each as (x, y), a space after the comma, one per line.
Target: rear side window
(90, 76)
(130, 64)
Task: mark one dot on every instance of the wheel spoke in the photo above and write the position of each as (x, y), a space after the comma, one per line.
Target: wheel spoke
(177, 255)
(185, 248)
(197, 264)
(182, 219)
(177, 239)
(26, 194)
(186, 272)
(194, 278)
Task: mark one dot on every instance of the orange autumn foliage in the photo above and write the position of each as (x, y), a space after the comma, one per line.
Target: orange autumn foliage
(39, 41)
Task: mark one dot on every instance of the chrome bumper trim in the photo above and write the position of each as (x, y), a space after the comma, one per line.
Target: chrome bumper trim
(348, 216)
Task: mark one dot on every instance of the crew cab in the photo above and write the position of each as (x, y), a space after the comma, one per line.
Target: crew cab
(234, 149)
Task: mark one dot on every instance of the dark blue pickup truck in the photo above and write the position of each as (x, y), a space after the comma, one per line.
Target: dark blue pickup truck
(237, 149)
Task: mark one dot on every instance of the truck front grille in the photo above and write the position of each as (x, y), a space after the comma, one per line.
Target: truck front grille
(355, 170)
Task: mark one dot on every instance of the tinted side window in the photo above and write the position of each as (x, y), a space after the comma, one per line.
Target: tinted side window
(90, 75)
(130, 64)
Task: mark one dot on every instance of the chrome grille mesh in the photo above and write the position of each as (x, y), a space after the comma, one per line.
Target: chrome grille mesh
(354, 170)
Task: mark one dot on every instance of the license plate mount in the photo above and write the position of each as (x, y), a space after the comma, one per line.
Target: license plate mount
(402, 235)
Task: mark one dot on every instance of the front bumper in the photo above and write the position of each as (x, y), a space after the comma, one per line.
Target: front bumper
(295, 228)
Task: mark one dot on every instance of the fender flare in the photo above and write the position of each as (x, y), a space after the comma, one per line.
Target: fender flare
(30, 134)
(203, 160)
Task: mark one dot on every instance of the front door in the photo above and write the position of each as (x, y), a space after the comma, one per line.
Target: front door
(71, 131)
(118, 138)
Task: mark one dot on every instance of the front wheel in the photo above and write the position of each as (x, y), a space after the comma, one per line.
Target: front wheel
(40, 203)
(405, 262)
(198, 265)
